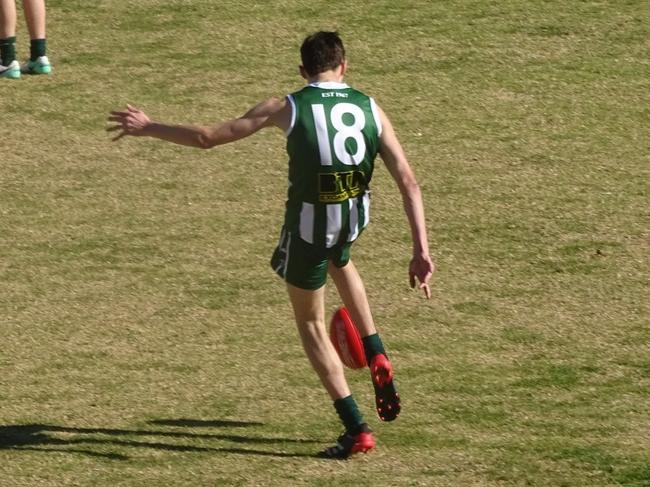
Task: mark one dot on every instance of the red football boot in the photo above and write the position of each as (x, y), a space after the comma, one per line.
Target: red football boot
(386, 396)
(349, 444)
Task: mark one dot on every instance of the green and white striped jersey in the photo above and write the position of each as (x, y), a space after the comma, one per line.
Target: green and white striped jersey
(332, 144)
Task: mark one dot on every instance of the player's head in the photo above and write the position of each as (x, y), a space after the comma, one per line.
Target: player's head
(321, 51)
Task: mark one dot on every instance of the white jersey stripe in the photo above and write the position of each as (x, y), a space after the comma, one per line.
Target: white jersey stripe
(307, 222)
(333, 225)
(354, 220)
(375, 114)
(293, 114)
(366, 210)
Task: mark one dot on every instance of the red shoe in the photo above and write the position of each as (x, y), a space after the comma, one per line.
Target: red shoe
(386, 396)
(349, 444)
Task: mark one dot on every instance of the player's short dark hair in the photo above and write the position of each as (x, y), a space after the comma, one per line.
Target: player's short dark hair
(322, 51)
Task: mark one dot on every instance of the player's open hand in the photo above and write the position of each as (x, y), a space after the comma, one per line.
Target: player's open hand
(420, 271)
(132, 121)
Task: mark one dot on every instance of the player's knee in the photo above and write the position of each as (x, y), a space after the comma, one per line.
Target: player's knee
(314, 336)
(314, 328)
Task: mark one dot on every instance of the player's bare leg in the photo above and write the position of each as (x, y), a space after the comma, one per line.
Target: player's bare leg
(309, 311)
(7, 18)
(35, 17)
(353, 293)
(38, 62)
(9, 68)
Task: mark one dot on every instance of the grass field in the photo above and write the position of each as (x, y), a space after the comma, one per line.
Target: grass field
(145, 340)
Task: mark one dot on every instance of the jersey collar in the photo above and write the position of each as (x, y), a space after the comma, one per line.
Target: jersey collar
(328, 85)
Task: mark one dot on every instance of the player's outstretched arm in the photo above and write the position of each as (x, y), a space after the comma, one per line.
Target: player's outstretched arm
(134, 122)
(421, 267)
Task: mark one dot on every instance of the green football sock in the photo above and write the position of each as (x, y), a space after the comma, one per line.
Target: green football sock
(8, 50)
(350, 415)
(37, 48)
(372, 346)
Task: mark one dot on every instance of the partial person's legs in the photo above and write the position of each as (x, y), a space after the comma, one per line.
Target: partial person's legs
(309, 311)
(8, 68)
(353, 293)
(7, 18)
(35, 17)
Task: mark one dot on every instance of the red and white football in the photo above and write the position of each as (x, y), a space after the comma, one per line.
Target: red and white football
(347, 340)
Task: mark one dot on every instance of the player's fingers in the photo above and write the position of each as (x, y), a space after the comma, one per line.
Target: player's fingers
(118, 136)
(426, 289)
(119, 114)
(115, 118)
(113, 128)
(427, 277)
(131, 108)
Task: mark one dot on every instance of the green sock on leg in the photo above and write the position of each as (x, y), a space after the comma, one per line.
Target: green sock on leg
(350, 415)
(8, 50)
(372, 346)
(37, 48)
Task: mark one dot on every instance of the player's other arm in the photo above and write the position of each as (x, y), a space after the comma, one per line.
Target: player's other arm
(421, 267)
(134, 122)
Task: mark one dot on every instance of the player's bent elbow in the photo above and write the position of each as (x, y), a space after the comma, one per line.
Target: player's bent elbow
(410, 187)
(206, 144)
(205, 140)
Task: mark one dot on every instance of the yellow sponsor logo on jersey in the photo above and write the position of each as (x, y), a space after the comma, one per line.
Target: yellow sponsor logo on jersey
(340, 186)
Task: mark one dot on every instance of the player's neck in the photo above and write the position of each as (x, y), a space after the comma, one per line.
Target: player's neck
(333, 75)
(324, 78)
(317, 80)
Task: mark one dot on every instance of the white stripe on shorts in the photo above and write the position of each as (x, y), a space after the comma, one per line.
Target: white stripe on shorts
(286, 258)
(283, 238)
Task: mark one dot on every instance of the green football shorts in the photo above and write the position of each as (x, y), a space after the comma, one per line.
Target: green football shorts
(305, 265)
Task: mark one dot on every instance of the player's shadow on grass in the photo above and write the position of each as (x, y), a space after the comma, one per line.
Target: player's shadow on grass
(51, 438)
